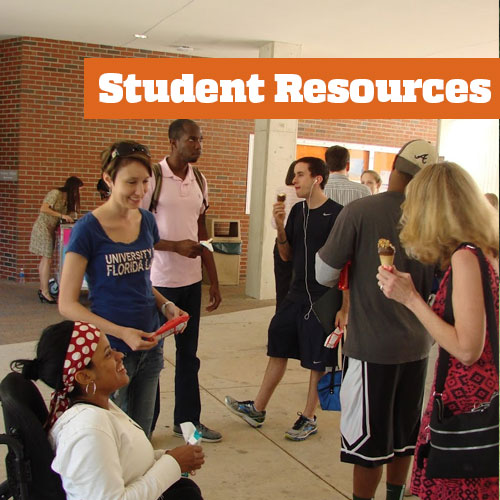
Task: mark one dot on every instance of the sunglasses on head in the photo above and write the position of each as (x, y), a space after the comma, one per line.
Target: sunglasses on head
(127, 148)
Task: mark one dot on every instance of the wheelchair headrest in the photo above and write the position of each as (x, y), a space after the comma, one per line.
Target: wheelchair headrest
(18, 394)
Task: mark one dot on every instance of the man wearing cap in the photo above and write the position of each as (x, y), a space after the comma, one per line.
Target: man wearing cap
(386, 348)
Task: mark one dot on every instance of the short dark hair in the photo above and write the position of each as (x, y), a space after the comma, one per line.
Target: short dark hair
(317, 167)
(337, 158)
(177, 127)
(290, 174)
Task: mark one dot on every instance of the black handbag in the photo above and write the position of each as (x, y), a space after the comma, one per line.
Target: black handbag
(326, 308)
(464, 445)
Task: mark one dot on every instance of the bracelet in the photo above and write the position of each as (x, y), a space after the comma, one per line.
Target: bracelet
(281, 242)
(164, 305)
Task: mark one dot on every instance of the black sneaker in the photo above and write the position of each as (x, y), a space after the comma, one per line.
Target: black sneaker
(207, 435)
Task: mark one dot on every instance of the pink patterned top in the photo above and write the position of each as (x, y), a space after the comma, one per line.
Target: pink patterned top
(465, 386)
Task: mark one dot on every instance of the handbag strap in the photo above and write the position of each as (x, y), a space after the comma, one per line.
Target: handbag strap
(489, 304)
(337, 367)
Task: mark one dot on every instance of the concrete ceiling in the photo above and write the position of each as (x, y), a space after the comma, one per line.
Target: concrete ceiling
(235, 28)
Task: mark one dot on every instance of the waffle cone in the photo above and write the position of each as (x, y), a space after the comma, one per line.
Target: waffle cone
(386, 260)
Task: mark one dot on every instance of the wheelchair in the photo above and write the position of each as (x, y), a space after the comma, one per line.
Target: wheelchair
(29, 457)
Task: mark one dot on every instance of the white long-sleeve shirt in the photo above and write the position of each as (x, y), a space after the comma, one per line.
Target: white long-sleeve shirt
(104, 455)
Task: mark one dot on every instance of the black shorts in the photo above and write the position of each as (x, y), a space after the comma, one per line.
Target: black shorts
(381, 410)
(291, 335)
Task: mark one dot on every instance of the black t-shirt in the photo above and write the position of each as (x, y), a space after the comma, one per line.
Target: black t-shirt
(319, 222)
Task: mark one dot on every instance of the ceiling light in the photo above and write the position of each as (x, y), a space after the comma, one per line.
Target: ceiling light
(184, 48)
(137, 35)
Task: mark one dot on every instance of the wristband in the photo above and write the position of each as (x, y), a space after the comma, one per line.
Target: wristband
(164, 305)
(281, 242)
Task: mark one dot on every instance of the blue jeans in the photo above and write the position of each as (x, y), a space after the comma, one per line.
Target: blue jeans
(137, 399)
(187, 365)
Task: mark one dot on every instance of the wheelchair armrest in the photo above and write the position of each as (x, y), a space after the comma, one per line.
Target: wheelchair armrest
(14, 444)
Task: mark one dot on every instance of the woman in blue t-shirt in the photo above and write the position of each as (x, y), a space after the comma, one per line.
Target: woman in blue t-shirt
(113, 247)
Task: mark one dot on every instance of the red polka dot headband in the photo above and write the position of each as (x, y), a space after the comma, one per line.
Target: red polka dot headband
(81, 348)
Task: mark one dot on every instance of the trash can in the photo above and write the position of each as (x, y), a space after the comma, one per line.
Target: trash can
(226, 240)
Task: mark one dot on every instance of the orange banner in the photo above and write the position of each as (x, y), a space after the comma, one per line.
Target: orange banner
(291, 88)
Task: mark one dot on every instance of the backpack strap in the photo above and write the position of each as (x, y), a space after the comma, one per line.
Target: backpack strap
(156, 167)
(201, 184)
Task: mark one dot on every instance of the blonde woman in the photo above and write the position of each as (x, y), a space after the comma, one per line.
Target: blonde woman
(443, 209)
(371, 180)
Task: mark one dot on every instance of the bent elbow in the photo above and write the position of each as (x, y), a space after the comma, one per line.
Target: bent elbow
(325, 282)
(64, 308)
(325, 274)
(470, 356)
(469, 359)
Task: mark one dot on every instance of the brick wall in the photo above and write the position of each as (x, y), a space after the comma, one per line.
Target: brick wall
(45, 137)
(10, 101)
(389, 133)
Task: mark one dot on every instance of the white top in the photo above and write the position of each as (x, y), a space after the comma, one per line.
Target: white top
(342, 190)
(180, 205)
(104, 455)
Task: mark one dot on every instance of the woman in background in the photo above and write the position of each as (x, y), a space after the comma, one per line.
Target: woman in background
(444, 210)
(60, 204)
(372, 180)
(493, 199)
(283, 270)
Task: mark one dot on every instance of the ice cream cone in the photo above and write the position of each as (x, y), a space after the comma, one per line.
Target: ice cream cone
(386, 252)
(386, 260)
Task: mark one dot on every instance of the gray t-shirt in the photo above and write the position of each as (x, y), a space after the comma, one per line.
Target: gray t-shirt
(380, 330)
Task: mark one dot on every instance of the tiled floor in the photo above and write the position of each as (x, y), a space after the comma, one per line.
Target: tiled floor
(253, 464)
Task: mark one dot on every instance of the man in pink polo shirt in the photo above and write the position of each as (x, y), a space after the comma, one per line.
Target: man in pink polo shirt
(176, 271)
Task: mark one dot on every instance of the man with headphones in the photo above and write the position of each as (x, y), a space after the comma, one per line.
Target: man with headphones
(294, 331)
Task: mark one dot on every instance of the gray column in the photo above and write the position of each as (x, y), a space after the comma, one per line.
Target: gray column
(275, 144)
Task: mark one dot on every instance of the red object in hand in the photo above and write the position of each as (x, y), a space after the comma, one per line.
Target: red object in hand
(344, 277)
(173, 326)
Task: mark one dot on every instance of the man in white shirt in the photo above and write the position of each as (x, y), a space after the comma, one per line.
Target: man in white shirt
(339, 188)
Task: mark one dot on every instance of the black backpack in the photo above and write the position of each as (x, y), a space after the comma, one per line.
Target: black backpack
(156, 167)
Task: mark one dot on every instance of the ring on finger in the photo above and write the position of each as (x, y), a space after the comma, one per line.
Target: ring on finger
(381, 287)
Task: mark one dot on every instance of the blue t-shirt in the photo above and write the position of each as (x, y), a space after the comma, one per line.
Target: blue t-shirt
(118, 274)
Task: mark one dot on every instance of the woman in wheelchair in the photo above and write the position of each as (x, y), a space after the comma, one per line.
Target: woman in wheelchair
(100, 453)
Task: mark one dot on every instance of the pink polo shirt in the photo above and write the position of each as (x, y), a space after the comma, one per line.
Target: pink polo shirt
(179, 206)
